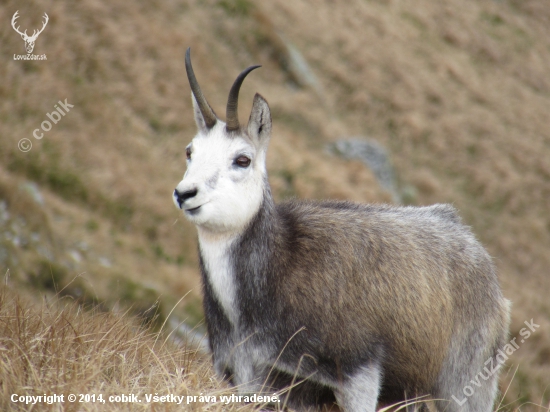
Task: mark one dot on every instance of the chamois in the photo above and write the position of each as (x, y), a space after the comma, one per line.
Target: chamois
(360, 303)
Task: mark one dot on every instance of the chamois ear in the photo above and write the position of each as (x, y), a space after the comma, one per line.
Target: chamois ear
(199, 118)
(259, 124)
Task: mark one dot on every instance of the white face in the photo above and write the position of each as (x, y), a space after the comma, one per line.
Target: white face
(228, 174)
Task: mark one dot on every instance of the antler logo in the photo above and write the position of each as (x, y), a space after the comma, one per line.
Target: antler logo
(29, 40)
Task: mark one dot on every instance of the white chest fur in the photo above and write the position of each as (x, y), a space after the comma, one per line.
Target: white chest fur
(216, 257)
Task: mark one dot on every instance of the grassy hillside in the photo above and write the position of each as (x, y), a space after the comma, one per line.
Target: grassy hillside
(458, 92)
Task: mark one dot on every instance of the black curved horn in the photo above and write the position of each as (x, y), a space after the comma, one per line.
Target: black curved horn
(232, 116)
(207, 113)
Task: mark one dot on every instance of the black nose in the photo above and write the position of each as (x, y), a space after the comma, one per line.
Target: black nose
(182, 197)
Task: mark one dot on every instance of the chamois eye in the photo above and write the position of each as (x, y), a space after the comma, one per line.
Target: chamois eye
(242, 161)
(188, 153)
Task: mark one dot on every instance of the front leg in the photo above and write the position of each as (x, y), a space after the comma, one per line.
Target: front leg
(221, 346)
(250, 368)
(359, 391)
(222, 366)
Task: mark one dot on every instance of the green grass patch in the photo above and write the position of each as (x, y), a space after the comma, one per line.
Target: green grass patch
(236, 7)
(142, 301)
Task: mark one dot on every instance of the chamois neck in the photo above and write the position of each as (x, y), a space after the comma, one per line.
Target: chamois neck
(264, 229)
(265, 221)
(211, 237)
(240, 258)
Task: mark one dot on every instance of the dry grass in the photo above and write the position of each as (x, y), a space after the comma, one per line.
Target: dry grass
(56, 347)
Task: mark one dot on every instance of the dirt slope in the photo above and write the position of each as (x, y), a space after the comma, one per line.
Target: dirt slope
(457, 91)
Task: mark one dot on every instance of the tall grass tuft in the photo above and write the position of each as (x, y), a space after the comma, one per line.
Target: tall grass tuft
(57, 347)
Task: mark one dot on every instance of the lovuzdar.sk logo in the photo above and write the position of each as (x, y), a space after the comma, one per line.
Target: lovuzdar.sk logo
(29, 40)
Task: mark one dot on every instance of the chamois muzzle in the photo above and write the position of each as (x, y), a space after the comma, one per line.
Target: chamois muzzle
(181, 197)
(231, 113)
(207, 113)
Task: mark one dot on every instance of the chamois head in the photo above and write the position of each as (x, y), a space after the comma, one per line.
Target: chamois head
(223, 186)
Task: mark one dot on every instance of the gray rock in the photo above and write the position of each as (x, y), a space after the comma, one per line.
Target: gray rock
(374, 156)
(32, 189)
